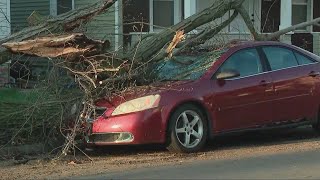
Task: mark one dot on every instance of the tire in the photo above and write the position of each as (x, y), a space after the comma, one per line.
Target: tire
(316, 126)
(188, 130)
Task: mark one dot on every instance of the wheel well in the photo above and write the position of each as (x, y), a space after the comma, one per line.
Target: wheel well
(198, 105)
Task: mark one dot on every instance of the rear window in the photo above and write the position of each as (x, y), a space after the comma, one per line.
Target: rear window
(280, 58)
(302, 60)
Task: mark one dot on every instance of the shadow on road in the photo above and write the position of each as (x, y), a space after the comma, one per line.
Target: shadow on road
(230, 141)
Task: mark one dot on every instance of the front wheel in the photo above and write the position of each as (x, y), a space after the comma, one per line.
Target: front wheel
(188, 130)
(316, 126)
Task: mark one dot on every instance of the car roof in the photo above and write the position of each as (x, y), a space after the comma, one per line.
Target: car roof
(257, 43)
(237, 45)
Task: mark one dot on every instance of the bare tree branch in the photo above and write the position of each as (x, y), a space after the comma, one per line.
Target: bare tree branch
(268, 37)
(206, 34)
(245, 16)
(151, 46)
(292, 28)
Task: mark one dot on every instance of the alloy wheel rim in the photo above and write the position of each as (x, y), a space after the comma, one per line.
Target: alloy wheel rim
(189, 129)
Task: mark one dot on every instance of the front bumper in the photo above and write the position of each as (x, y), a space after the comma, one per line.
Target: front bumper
(121, 137)
(142, 127)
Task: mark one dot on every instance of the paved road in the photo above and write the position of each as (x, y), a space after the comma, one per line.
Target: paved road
(303, 165)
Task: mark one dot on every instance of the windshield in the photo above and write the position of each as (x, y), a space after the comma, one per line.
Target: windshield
(187, 67)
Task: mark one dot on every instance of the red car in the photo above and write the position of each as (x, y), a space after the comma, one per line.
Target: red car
(250, 86)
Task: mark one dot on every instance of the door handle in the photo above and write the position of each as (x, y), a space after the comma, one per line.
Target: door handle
(314, 74)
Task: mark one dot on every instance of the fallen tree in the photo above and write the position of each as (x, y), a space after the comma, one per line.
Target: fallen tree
(100, 73)
(63, 46)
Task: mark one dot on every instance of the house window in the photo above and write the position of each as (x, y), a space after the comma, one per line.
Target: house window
(163, 13)
(270, 16)
(299, 12)
(158, 13)
(64, 6)
(58, 7)
(316, 14)
(237, 25)
(149, 16)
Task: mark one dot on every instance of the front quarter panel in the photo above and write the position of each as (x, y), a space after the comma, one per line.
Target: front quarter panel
(195, 93)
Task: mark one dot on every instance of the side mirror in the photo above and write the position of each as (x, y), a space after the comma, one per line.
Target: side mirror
(228, 74)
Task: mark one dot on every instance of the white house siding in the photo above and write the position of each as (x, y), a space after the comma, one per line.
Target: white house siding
(4, 18)
(22, 9)
(4, 31)
(316, 43)
(101, 27)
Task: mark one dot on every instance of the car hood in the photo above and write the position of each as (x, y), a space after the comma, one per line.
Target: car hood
(141, 91)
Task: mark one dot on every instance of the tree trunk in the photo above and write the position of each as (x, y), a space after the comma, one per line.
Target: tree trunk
(151, 46)
(68, 47)
(272, 36)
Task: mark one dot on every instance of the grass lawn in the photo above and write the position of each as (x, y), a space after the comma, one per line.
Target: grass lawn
(12, 95)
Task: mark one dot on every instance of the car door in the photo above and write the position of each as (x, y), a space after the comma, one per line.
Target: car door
(242, 102)
(294, 84)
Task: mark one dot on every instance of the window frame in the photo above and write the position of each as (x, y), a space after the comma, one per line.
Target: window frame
(314, 29)
(177, 7)
(309, 15)
(309, 58)
(280, 47)
(265, 58)
(54, 7)
(261, 59)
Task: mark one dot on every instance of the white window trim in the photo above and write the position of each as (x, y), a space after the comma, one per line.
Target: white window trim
(9, 16)
(299, 3)
(117, 27)
(54, 7)
(177, 14)
(151, 15)
(190, 8)
(285, 14)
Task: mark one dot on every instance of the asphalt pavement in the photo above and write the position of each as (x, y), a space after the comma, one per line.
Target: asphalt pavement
(297, 164)
(301, 165)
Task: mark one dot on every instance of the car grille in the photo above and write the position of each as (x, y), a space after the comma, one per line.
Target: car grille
(122, 137)
(110, 137)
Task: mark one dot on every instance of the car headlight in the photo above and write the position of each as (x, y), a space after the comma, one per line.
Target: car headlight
(138, 104)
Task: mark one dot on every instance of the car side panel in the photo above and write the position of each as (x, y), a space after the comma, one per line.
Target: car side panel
(294, 97)
(242, 103)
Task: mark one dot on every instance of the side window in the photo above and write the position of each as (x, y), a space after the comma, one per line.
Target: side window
(247, 62)
(302, 60)
(280, 58)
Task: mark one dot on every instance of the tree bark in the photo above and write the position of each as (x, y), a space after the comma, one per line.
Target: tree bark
(315, 22)
(66, 22)
(67, 47)
(246, 18)
(206, 34)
